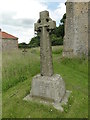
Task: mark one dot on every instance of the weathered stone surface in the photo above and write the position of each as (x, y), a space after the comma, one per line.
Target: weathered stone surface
(8, 41)
(9, 44)
(44, 25)
(51, 88)
(47, 87)
(57, 105)
(76, 29)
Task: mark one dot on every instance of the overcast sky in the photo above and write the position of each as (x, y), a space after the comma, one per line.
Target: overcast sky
(17, 17)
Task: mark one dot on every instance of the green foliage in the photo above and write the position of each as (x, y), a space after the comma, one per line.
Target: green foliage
(23, 45)
(18, 70)
(55, 35)
(35, 42)
(63, 19)
(56, 40)
(59, 31)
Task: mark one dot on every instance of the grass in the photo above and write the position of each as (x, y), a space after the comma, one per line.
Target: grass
(18, 71)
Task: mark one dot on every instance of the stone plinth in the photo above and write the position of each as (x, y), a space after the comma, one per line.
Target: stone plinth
(50, 88)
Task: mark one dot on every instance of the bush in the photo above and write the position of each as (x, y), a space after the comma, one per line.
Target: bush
(35, 42)
(56, 40)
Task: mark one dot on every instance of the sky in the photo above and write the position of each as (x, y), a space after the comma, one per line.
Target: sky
(17, 17)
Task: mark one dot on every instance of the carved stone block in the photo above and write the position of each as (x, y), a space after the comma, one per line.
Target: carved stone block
(50, 88)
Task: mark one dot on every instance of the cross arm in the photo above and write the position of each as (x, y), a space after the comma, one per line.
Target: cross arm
(36, 26)
(52, 25)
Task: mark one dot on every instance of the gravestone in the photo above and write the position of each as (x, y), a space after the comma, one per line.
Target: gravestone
(47, 86)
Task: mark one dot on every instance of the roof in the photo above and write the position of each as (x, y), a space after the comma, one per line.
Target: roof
(5, 35)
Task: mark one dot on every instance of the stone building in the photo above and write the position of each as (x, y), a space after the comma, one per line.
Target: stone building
(76, 29)
(9, 42)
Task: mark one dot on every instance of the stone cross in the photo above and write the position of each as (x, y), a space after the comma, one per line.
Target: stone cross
(43, 26)
(48, 87)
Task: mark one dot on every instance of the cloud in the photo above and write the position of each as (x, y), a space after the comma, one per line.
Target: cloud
(59, 12)
(18, 16)
(7, 19)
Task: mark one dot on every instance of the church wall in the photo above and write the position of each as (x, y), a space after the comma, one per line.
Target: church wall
(76, 29)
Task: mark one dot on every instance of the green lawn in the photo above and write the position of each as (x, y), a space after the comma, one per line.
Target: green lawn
(18, 70)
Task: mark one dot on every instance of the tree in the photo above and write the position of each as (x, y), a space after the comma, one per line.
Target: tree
(63, 19)
(56, 40)
(55, 35)
(59, 31)
(35, 42)
(23, 45)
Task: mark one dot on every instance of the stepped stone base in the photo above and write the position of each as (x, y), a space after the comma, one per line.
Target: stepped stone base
(49, 90)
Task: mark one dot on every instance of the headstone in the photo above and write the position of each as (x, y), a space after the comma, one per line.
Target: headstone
(47, 86)
(24, 51)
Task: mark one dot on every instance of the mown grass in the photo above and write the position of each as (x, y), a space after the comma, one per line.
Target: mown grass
(18, 70)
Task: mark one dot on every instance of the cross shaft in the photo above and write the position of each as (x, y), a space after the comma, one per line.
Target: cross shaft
(43, 26)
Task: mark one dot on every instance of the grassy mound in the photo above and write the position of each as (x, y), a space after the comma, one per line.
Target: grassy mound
(18, 70)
